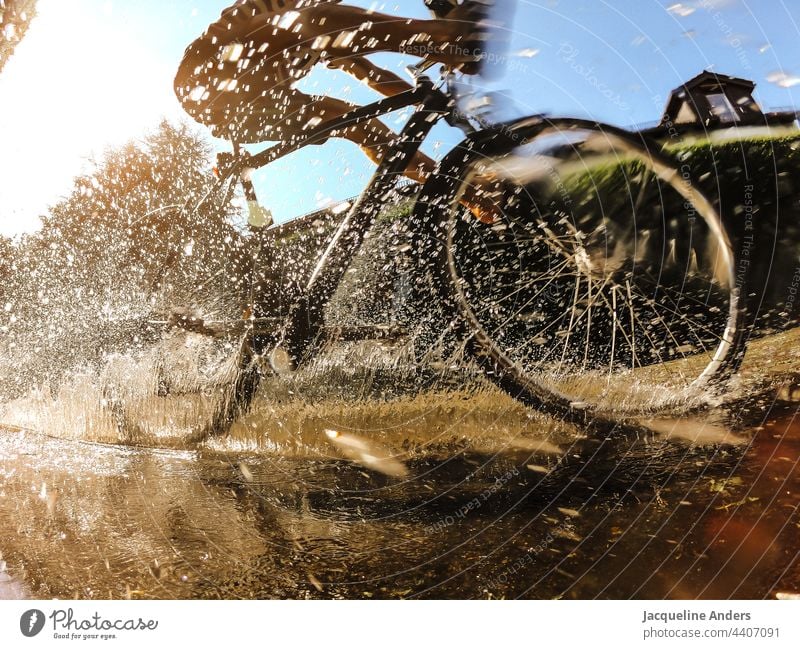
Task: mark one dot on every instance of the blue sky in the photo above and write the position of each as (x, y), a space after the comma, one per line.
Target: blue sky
(93, 73)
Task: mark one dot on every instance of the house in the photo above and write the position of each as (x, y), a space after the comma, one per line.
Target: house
(712, 101)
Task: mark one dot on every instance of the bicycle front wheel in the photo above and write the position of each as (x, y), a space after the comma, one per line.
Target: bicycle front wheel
(598, 279)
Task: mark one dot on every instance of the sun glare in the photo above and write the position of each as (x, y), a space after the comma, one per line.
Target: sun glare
(77, 84)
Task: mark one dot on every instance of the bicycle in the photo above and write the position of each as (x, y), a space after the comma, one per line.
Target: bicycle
(603, 287)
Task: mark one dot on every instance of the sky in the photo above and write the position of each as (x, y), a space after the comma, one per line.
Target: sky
(93, 74)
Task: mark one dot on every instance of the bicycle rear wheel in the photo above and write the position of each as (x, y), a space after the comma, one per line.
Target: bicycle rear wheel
(606, 282)
(202, 373)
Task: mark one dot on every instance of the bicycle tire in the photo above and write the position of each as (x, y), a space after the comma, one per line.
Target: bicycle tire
(236, 396)
(200, 376)
(513, 348)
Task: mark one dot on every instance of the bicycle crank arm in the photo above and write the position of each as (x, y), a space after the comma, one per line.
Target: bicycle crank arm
(220, 328)
(271, 326)
(385, 333)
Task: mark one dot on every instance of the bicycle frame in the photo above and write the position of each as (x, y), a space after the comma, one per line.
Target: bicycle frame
(293, 338)
(305, 317)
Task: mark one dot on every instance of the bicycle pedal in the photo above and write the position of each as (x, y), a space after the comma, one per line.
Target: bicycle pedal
(191, 322)
(281, 361)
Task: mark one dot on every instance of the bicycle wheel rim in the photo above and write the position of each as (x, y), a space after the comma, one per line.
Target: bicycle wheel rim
(678, 375)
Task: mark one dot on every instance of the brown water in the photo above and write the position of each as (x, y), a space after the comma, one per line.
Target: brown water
(498, 502)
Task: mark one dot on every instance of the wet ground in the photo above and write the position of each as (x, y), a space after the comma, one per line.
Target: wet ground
(490, 501)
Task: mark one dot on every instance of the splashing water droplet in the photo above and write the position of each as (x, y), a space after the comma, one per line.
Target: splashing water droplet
(680, 9)
(232, 52)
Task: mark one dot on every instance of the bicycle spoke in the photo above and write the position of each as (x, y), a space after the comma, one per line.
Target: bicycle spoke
(523, 287)
(571, 318)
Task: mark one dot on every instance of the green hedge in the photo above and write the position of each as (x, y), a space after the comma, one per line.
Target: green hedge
(753, 181)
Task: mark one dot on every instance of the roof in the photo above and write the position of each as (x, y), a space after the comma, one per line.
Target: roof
(715, 78)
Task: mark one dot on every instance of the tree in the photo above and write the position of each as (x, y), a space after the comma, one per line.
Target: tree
(15, 17)
(131, 240)
(137, 213)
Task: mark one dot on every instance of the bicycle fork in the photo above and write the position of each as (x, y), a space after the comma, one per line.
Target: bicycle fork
(306, 316)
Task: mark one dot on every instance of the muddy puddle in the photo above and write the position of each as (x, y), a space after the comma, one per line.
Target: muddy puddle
(491, 500)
